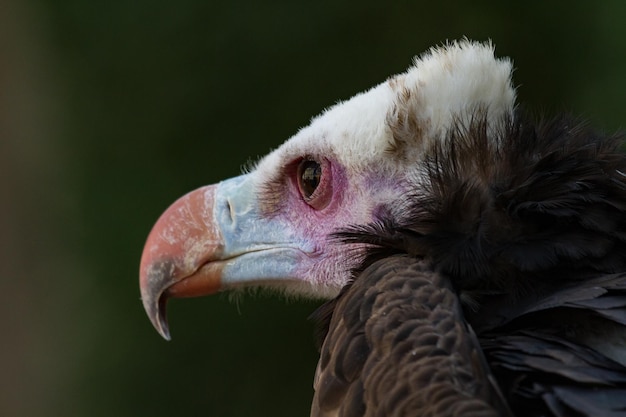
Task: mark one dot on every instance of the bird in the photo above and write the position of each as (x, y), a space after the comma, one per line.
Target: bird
(472, 254)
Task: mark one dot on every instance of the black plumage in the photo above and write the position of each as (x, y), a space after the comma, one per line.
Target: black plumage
(524, 222)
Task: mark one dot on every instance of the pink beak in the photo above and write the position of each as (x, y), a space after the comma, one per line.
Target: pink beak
(178, 257)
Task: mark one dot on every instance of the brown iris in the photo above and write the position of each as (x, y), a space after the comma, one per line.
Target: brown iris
(309, 177)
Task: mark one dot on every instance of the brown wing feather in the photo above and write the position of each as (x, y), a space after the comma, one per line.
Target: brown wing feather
(397, 345)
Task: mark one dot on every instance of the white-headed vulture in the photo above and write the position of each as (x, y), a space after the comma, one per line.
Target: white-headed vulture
(474, 256)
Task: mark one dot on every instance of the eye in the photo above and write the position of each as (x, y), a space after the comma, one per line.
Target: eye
(314, 182)
(309, 177)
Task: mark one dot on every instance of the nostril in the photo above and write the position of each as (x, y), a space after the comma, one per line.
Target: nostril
(230, 210)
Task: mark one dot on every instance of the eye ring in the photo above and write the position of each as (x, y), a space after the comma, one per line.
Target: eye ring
(314, 182)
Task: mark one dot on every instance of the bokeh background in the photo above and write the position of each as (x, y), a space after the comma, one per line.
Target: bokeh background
(111, 110)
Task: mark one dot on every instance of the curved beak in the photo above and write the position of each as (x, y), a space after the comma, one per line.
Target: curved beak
(210, 239)
(177, 255)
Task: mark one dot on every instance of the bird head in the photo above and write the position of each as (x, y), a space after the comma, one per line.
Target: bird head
(273, 226)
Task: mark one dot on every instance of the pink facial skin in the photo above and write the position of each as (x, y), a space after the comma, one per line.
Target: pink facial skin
(232, 234)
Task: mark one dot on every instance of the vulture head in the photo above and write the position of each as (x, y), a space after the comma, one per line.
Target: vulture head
(474, 258)
(353, 165)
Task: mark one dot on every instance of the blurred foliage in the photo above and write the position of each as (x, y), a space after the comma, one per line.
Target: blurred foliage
(111, 110)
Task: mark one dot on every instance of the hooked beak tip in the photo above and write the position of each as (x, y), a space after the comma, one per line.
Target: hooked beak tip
(157, 312)
(162, 280)
(154, 284)
(159, 320)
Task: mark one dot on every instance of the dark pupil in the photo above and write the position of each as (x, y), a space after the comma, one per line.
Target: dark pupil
(310, 175)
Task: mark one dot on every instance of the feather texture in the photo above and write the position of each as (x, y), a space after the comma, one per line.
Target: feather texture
(399, 346)
(527, 223)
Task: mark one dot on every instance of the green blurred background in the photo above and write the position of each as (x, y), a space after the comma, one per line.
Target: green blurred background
(109, 111)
